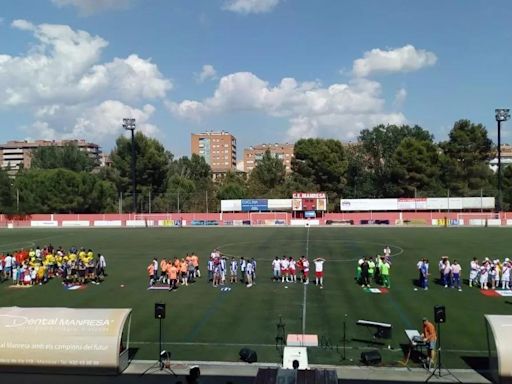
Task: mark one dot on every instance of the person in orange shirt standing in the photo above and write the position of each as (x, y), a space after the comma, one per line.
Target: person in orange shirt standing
(163, 269)
(195, 263)
(430, 337)
(184, 272)
(151, 273)
(172, 276)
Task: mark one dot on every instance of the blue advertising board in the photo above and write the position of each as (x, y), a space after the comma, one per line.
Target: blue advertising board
(254, 205)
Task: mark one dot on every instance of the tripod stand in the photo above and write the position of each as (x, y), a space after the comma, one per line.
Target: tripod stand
(344, 356)
(280, 342)
(162, 364)
(438, 367)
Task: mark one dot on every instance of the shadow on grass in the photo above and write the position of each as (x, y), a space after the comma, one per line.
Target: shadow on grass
(479, 364)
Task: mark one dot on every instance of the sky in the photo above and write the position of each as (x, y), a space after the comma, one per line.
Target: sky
(264, 70)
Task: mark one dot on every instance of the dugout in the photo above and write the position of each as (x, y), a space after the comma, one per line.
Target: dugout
(64, 340)
(499, 342)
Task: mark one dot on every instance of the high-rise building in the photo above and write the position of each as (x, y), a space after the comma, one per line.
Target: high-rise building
(283, 152)
(217, 148)
(18, 154)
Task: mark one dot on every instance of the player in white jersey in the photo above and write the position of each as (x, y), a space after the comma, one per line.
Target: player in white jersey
(305, 269)
(319, 271)
(243, 267)
(474, 268)
(285, 265)
(292, 269)
(484, 275)
(505, 274)
(276, 268)
(233, 270)
(223, 268)
(249, 270)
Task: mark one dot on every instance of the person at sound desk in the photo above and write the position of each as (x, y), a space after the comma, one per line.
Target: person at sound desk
(429, 336)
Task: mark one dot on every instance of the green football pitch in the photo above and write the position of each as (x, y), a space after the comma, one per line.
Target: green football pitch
(206, 323)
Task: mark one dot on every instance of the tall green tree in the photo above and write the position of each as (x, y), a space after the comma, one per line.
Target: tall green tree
(7, 193)
(63, 191)
(68, 156)
(465, 170)
(321, 164)
(268, 174)
(232, 186)
(415, 168)
(152, 164)
(359, 177)
(380, 144)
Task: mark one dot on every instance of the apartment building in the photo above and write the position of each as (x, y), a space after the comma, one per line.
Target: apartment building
(217, 148)
(253, 154)
(18, 154)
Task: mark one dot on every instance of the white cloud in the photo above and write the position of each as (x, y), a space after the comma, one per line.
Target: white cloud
(250, 6)
(98, 123)
(61, 80)
(208, 72)
(339, 110)
(89, 7)
(403, 59)
(400, 97)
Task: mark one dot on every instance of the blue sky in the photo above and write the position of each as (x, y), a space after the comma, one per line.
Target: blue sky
(264, 70)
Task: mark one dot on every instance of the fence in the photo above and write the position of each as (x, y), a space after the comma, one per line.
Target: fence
(258, 219)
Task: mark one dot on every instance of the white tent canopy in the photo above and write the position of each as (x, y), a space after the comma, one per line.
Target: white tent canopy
(500, 347)
(63, 339)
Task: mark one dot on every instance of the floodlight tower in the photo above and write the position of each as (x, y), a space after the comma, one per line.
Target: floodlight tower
(129, 125)
(502, 114)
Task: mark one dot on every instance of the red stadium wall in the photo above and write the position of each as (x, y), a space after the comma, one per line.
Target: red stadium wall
(243, 218)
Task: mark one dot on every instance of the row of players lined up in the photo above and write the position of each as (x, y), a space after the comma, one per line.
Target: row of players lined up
(489, 274)
(37, 266)
(186, 270)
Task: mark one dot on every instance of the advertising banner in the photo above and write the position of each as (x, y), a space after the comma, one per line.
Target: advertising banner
(409, 204)
(250, 205)
(231, 205)
(368, 204)
(61, 337)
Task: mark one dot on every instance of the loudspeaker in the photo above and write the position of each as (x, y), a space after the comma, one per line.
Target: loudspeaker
(371, 357)
(159, 311)
(439, 314)
(248, 355)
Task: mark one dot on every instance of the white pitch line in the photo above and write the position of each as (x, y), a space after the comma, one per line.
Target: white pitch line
(262, 345)
(305, 288)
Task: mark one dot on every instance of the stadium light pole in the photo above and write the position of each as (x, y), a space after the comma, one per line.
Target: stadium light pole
(502, 114)
(129, 125)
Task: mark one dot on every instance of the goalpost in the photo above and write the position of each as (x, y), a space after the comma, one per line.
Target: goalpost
(481, 219)
(269, 218)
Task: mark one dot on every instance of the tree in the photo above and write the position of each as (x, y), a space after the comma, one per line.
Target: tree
(379, 145)
(68, 156)
(192, 178)
(320, 164)
(232, 186)
(7, 199)
(359, 178)
(63, 191)
(415, 168)
(465, 169)
(152, 164)
(507, 187)
(266, 176)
